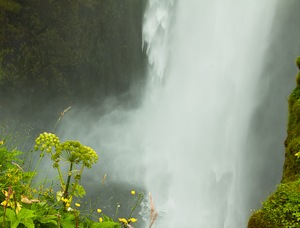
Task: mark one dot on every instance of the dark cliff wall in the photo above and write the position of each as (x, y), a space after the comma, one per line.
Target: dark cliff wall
(68, 52)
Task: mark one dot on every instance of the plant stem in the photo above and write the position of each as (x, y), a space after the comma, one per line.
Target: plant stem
(68, 181)
(55, 124)
(76, 181)
(62, 183)
(140, 197)
(117, 209)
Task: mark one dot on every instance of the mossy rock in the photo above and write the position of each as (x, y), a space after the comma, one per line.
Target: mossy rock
(298, 62)
(295, 95)
(291, 165)
(298, 79)
(258, 220)
(282, 208)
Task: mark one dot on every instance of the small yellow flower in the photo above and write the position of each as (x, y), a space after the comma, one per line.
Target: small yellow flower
(132, 192)
(8, 203)
(77, 204)
(4, 203)
(132, 220)
(8, 193)
(100, 219)
(1, 142)
(99, 210)
(19, 207)
(123, 220)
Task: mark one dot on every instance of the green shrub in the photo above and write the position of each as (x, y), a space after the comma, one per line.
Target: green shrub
(24, 205)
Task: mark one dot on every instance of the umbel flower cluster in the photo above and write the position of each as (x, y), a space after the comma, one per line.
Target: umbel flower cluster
(72, 152)
(75, 152)
(46, 141)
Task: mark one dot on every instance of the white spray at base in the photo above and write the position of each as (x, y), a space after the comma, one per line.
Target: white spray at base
(208, 56)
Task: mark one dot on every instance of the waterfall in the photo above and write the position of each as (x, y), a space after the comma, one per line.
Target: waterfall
(193, 143)
(208, 57)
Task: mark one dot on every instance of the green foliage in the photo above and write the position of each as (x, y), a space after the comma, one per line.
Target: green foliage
(12, 175)
(282, 209)
(25, 217)
(291, 166)
(296, 93)
(23, 205)
(298, 62)
(106, 225)
(10, 5)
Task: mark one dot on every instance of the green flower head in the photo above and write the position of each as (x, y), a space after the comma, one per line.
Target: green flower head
(75, 152)
(46, 141)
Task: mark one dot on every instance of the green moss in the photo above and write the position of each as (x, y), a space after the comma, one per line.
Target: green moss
(291, 165)
(298, 79)
(295, 95)
(282, 208)
(258, 219)
(292, 142)
(298, 62)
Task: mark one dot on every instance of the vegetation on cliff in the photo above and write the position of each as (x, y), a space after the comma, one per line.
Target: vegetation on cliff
(282, 208)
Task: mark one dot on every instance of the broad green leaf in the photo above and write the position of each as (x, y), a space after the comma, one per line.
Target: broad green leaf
(10, 214)
(25, 213)
(68, 222)
(106, 218)
(79, 191)
(106, 225)
(48, 219)
(28, 223)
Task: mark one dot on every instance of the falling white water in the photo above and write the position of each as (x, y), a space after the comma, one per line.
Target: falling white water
(210, 55)
(186, 143)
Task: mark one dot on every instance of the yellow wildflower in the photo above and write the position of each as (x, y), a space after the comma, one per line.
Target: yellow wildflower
(4, 203)
(1, 142)
(64, 199)
(123, 220)
(7, 202)
(77, 204)
(18, 207)
(132, 220)
(8, 194)
(132, 192)
(100, 219)
(99, 210)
